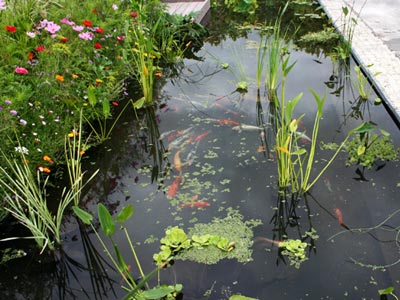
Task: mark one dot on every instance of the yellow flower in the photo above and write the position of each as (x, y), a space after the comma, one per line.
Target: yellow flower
(75, 76)
(60, 78)
(98, 80)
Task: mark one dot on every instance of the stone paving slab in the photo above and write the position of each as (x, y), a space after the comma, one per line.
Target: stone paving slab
(376, 41)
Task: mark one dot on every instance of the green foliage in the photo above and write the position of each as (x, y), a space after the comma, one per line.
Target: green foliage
(217, 236)
(366, 149)
(176, 243)
(367, 146)
(388, 291)
(295, 251)
(240, 297)
(242, 6)
(361, 83)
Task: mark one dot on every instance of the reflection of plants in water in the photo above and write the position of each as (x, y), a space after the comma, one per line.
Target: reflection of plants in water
(286, 218)
(150, 136)
(242, 6)
(383, 226)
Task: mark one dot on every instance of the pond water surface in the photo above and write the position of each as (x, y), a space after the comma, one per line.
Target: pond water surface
(225, 168)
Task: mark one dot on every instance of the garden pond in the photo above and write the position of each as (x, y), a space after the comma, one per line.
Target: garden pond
(204, 159)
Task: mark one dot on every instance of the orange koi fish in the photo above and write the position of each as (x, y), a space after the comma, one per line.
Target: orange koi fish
(196, 204)
(174, 187)
(201, 136)
(177, 161)
(262, 239)
(339, 217)
(228, 122)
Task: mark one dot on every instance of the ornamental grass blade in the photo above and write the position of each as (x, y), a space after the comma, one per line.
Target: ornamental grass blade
(106, 221)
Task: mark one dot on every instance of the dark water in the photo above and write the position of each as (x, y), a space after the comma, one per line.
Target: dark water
(230, 169)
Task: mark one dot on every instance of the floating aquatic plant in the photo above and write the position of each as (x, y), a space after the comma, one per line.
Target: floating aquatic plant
(231, 228)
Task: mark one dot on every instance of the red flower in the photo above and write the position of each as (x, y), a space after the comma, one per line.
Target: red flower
(87, 23)
(98, 46)
(134, 14)
(11, 28)
(115, 103)
(99, 30)
(95, 11)
(31, 56)
(63, 40)
(40, 48)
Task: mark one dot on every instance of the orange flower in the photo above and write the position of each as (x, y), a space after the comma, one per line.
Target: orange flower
(44, 169)
(60, 78)
(48, 159)
(158, 74)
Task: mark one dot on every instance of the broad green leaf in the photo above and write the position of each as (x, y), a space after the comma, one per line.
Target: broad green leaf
(157, 293)
(389, 290)
(125, 213)
(139, 103)
(384, 132)
(106, 108)
(240, 297)
(84, 216)
(91, 95)
(106, 222)
(364, 127)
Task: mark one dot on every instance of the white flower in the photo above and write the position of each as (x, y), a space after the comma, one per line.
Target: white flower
(22, 150)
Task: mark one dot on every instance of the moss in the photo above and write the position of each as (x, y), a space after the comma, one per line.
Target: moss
(233, 228)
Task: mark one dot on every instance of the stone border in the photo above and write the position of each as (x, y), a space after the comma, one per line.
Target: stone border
(368, 49)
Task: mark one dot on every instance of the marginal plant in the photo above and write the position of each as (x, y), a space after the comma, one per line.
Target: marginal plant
(361, 84)
(277, 66)
(26, 194)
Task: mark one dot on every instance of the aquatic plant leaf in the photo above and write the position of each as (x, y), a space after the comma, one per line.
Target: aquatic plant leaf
(384, 132)
(106, 221)
(300, 151)
(84, 216)
(242, 86)
(139, 103)
(125, 213)
(240, 297)
(364, 127)
(389, 290)
(157, 292)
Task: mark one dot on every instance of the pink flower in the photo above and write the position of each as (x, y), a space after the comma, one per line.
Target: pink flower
(87, 36)
(2, 5)
(52, 27)
(120, 38)
(21, 70)
(31, 34)
(77, 28)
(66, 21)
